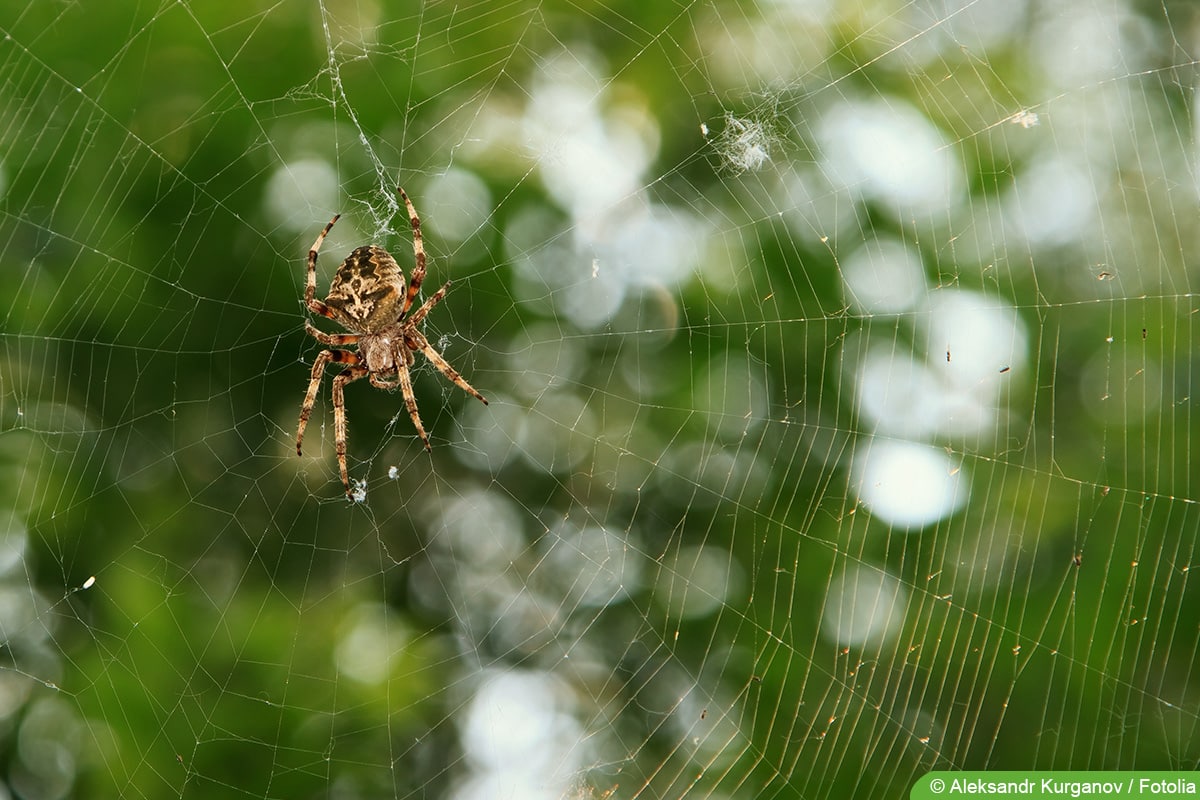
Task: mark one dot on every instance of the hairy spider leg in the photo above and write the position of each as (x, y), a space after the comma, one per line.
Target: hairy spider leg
(330, 339)
(310, 286)
(443, 366)
(348, 375)
(352, 373)
(410, 400)
(380, 383)
(418, 273)
(419, 315)
(417, 341)
(314, 384)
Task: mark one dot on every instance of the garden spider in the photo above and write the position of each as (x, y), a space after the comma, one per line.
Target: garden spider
(368, 298)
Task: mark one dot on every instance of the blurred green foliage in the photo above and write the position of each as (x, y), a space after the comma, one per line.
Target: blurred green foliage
(152, 362)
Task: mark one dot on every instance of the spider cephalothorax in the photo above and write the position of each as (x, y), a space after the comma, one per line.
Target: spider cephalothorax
(368, 297)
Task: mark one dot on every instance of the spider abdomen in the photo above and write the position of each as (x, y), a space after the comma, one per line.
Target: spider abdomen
(367, 291)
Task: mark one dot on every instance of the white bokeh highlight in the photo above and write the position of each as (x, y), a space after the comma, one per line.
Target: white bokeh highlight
(302, 195)
(589, 566)
(884, 276)
(460, 203)
(969, 348)
(886, 150)
(908, 484)
(521, 738)
(1052, 202)
(591, 153)
(371, 643)
(590, 140)
(864, 606)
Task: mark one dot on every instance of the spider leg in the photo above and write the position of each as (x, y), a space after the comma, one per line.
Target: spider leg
(419, 315)
(443, 366)
(348, 375)
(310, 397)
(380, 383)
(418, 273)
(410, 400)
(310, 286)
(314, 383)
(330, 339)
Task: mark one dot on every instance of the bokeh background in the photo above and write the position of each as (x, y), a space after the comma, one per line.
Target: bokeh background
(840, 359)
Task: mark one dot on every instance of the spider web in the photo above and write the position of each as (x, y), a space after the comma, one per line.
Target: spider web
(839, 358)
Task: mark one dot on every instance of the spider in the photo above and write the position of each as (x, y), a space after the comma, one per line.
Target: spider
(368, 298)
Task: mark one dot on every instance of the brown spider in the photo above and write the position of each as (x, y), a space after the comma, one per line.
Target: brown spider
(367, 297)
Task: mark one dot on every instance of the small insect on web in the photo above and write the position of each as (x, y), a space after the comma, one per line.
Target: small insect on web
(368, 297)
